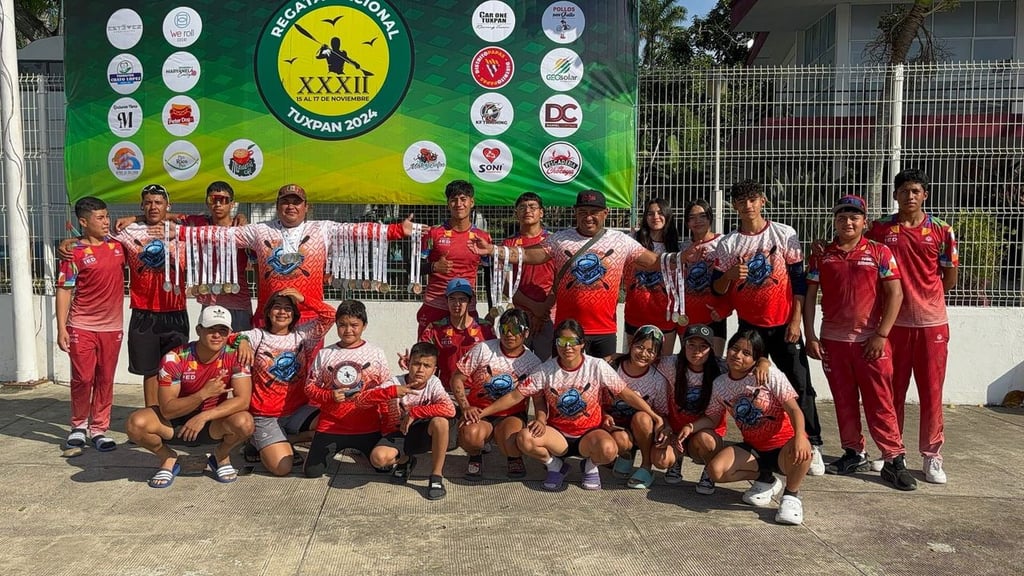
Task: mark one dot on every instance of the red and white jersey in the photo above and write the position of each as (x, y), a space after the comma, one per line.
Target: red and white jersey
(756, 409)
(454, 246)
(689, 411)
(765, 298)
(922, 252)
(181, 366)
(646, 297)
(651, 386)
(491, 374)
(537, 278)
(96, 274)
(589, 290)
(852, 298)
(280, 365)
(146, 270)
(453, 343)
(241, 300)
(700, 265)
(352, 370)
(573, 397)
(428, 402)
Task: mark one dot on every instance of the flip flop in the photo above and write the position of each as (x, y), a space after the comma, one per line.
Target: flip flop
(77, 438)
(641, 479)
(401, 473)
(166, 476)
(103, 444)
(554, 480)
(622, 468)
(224, 474)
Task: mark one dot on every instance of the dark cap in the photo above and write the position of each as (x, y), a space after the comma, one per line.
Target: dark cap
(701, 331)
(590, 198)
(851, 203)
(291, 190)
(458, 285)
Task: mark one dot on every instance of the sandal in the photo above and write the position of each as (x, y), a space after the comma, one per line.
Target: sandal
(641, 479)
(516, 468)
(435, 490)
(250, 454)
(622, 468)
(402, 471)
(225, 474)
(76, 439)
(591, 480)
(475, 469)
(103, 444)
(554, 480)
(164, 477)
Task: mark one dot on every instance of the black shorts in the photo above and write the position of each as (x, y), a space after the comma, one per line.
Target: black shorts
(176, 424)
(493, 420)
(601, 345)
(718, 329)
(574, 444)
(324, 446)
(151, 335)
(766, 459)
(416, 441)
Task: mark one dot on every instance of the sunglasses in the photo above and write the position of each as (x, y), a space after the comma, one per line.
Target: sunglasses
(218, 200)
(511, 328)
(567, 341)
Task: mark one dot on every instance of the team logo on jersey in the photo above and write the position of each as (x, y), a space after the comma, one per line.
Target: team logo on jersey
(492, 67)
(336, 70)
(698, 277)
(570, 404)
(749, 412)
(759, 269)
(285, 366)
(588, 269)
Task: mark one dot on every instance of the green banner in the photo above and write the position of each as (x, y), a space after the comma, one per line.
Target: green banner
(359, 101)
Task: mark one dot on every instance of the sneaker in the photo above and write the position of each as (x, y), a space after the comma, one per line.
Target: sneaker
(760, 494)
(933, 471)
(474, 470)
(896, 473)
(850, 462)
(791, 511)
(706, 485)
(817, 464)
(674, 474)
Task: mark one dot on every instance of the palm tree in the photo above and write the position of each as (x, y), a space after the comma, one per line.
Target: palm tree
(660, 21)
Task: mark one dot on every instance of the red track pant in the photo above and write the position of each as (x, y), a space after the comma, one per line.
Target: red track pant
(852, 378)
(923, 352)
(93, 363)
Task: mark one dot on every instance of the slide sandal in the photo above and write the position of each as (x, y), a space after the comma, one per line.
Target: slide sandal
(224, 474)
(164, 477)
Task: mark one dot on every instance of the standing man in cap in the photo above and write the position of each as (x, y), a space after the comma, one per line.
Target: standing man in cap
(204, 397)
(925, 248)
(861, 295)
(448, 256)
(589, 261)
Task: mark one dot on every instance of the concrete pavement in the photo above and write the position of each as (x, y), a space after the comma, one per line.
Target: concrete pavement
(94, 514)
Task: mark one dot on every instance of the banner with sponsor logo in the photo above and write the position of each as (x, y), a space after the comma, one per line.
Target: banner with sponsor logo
(359, 101)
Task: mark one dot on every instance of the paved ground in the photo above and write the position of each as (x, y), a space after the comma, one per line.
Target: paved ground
(94, 514)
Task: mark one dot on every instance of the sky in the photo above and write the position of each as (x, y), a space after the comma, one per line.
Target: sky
(697, 7)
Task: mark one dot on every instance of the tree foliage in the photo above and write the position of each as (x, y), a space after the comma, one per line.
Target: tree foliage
(903, 27)
(667, 41)
(36, 19)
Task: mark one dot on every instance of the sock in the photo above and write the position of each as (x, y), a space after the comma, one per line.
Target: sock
(787, 492)
(766, 476)
(554, 464)
(589, 467)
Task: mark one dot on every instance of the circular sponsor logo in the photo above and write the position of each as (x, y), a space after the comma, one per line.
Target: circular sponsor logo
(561, 115)
(124, 73)
(181, 115)
(560, 162)
(124, 28)
(491, 114)
(563, 22)
(561, 69)
(124, 117)
(181, 160)
(491, 160)
(181, 72)
(493, 21)
(492, 67)
(125, 161)
(337, 70)
(424, 161)
(182, 27)
(243, 159)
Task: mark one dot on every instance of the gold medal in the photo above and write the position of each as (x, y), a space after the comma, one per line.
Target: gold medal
(204, 289)
(683, 320)
(384, 288)
(417, 288)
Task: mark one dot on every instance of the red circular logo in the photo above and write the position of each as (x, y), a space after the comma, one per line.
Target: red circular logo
(492, 67)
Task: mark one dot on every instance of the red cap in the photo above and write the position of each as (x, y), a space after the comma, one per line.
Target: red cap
(291, 190)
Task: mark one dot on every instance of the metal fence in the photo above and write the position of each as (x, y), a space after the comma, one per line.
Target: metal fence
(810, 134)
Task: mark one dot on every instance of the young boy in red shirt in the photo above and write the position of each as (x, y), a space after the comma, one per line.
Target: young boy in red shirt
(90, 320)
(861, 295)
(925, 248)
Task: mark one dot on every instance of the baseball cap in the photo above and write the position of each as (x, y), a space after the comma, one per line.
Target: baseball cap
(212, 316)
(591, 198)
(851, 202)
(291, 190)
(701, 331)
(456, 285)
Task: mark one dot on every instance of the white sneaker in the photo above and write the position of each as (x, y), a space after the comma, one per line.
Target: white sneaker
(877, 465)
(760, 494)
(933, 471)
(674, 473)
(817, 464)
(791, 511)
(706, 485)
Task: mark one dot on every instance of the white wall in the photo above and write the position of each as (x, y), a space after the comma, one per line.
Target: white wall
(986, 357)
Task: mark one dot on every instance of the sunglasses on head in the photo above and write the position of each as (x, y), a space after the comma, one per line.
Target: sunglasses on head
(567, 341)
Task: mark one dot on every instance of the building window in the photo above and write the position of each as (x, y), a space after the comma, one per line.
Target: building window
(820, 41)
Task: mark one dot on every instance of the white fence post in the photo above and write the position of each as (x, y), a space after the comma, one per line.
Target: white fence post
(43, 118)
(896, 120)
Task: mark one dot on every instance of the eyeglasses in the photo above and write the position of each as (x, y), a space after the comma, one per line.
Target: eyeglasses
(567, 341)
(528, 208)
(511, 328)
(640, 350)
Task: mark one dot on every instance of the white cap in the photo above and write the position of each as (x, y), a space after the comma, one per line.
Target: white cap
(215, 316)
